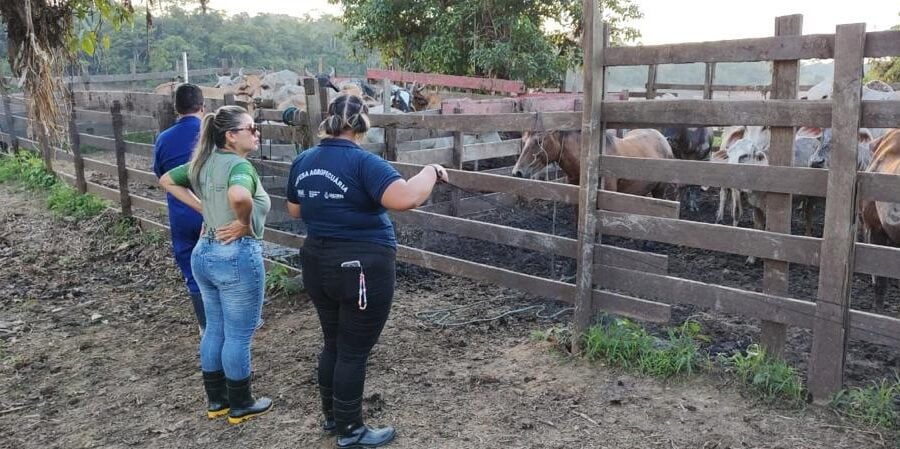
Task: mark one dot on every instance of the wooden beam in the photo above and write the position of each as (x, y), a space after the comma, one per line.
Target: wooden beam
(475, 123)
(536, 241)
(595, 39)
(812, 46)
(606, 301)
(75, 143)
(720, 299)
(778, 208)
(800, 181)
(882, 43)
(829, 349)
(461, 82)
(878, 186)
(712, 237)
(122, 172)
(133, 121)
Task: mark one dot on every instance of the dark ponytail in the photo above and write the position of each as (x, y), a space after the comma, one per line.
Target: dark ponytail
(346, 112)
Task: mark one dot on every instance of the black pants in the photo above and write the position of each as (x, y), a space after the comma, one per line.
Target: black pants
(349, 333)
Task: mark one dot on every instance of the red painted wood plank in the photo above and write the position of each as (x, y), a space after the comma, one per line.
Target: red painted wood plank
(461, 82)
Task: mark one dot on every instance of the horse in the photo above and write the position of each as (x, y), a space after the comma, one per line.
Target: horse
(564, 148)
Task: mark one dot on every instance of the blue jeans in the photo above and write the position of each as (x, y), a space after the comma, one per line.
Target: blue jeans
(232, 281)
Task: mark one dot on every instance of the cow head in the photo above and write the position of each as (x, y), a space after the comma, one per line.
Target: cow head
(822, 157)
(689, 143)
(401, 99)
(324, 79)
(759, 135)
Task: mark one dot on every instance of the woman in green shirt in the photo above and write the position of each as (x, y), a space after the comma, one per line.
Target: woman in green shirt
(227, 261)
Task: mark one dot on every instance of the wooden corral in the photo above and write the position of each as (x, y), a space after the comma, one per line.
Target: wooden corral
(612, 279)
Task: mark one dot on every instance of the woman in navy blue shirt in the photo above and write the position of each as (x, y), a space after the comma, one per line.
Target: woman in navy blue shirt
(348, 259)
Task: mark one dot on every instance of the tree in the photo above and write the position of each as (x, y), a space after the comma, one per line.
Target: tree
(43, 38)
(531, 40)
(886, 69)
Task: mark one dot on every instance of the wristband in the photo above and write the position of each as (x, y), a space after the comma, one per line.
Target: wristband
(437, 173)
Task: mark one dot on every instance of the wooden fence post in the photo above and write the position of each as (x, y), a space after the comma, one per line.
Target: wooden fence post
(124, 196)
(456, 163)
(386, 95)
(829, 349)
(75, 142)
(778, 206)
(165, 114)
(10, 122)
(650, 90)
(133, 75)
(708, 80)
(595, 39)
(313, 111)
(323, 102)
(46, 148)
(390, 143)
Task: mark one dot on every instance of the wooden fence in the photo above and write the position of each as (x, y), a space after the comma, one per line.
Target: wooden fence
(633, 283)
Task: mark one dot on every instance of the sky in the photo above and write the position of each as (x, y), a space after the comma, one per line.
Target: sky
(674, 21)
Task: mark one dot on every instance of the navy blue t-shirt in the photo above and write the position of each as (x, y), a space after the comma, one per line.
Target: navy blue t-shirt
(338, 186)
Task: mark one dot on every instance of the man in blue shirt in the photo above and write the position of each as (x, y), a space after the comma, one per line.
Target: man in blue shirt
(173, 148)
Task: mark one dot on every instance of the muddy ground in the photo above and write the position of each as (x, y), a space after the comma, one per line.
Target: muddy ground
(98, 348)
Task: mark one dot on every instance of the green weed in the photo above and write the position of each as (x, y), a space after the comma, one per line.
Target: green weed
(147, 137)
(624, 343)
(875, 406)
(770, 377)
(26, 168)
(67, 202)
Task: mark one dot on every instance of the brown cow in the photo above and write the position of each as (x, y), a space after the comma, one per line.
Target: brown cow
(881, 220)
(564, 148)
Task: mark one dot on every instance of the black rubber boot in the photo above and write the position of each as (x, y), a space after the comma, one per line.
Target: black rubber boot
(216, 393)
(328, 425)
(352, 433)
(199, 311)
(243, 406)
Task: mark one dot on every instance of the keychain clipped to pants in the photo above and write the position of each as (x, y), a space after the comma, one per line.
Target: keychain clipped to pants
(362, 282)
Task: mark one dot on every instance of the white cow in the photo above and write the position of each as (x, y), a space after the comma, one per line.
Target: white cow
(742, 145)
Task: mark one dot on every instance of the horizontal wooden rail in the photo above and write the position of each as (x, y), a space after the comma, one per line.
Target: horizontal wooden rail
(474, 123)
(460, 82)
(672, 290)
(775, 48)
(798, 181)
(141, 122)
(108, 143)
(150, 76)
(712, 237)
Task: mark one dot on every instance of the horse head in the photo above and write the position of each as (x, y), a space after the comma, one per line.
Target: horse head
(539, 149)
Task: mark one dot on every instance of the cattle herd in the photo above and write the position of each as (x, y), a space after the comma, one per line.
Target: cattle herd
(283, 89)
(878, 151)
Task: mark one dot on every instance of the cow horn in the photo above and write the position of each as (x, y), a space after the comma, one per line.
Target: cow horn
(332, 72)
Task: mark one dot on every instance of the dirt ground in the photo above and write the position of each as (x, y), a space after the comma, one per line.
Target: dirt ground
(98, 348)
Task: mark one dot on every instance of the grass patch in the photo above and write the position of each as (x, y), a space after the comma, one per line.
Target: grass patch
(623, 343)
(147, 137)
(67, 202)
(771, 378)
(875, 406)
(28, 169)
